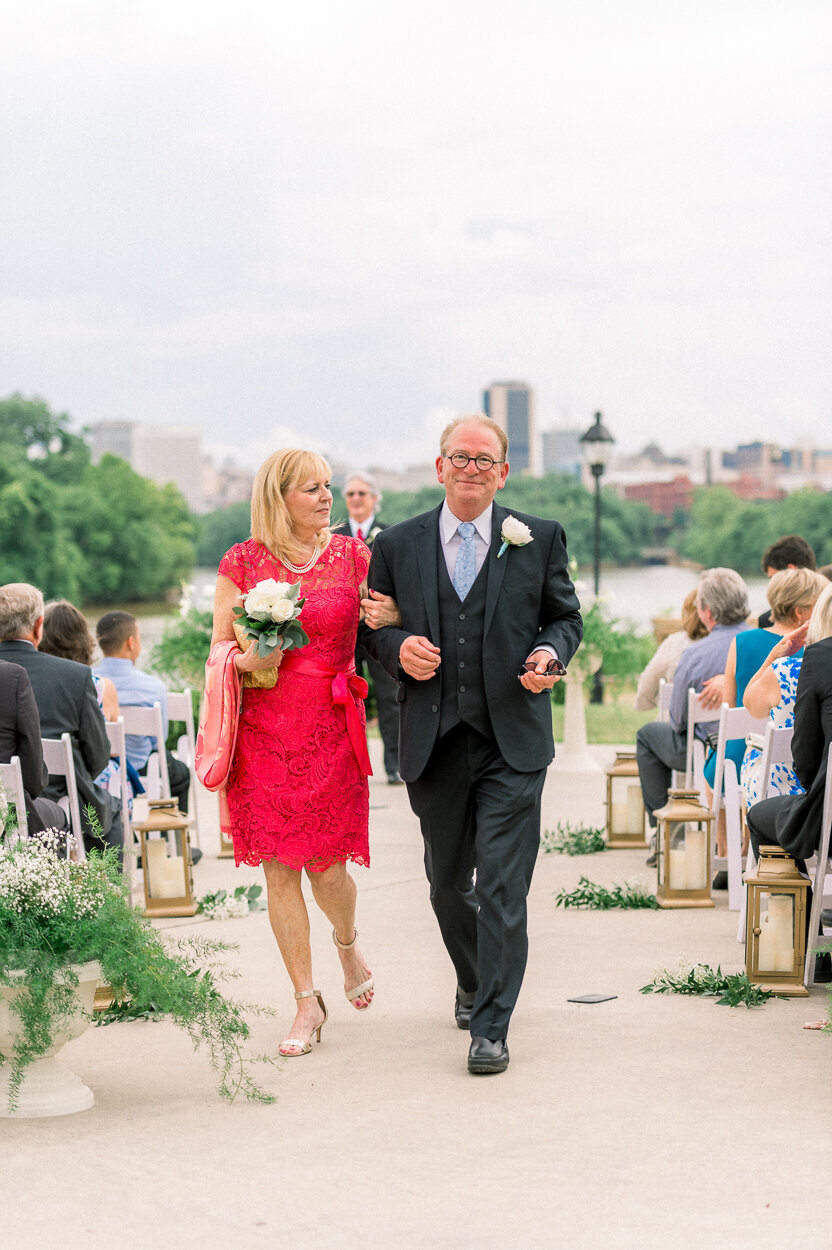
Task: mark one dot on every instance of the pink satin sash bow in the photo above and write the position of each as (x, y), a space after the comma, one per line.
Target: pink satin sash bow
(346, 688)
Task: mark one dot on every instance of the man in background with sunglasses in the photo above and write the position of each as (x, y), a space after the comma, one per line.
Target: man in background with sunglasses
(489, 619)
(362, 498)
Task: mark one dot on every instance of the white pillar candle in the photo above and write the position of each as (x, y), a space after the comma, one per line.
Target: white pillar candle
(678, 869)
(635, 810)
(172, 884)
(697, 870)
(156, 850)
(781, 930)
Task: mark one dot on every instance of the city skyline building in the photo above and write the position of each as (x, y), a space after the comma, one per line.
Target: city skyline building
(511, 405)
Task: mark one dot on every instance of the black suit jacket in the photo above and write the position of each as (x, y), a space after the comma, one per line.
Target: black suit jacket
(360, 653)
(530, 600)
(799, 820)
(20, 734)
(67, 703)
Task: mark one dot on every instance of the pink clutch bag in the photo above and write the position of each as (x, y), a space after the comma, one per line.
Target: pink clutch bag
(217, 734)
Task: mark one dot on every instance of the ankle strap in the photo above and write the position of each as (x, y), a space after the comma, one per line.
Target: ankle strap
(345, 946)
(307, 993)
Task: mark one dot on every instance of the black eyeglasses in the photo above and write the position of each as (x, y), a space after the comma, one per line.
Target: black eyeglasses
(460, 461)
(553, 669)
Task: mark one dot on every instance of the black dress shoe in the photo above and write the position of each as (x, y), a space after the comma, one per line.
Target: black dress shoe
(720, 881)
(826, 917)
(823, 968)
(485, 1057)
(393, 779)
(196, 855)
(462, 1008)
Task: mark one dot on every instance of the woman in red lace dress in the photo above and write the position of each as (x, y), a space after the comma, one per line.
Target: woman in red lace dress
(297, 792)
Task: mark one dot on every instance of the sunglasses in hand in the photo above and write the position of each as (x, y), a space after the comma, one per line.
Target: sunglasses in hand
(553, 669)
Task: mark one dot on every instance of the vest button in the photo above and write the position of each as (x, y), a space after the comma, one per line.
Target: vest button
(462, 690)
(462, 641)
(462, 664)
(434, 708)
(462, 616)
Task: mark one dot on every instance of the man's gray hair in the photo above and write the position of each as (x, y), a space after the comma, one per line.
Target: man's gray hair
(20, 606)
(368, 481)
(726, 594)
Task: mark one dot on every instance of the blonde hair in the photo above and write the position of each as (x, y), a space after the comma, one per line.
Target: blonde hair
(475, 418)
(692, 622)
(791, 589)
(271, 523)
(820, 623)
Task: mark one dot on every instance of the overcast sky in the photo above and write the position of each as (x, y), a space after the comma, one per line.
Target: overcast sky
(333, 224)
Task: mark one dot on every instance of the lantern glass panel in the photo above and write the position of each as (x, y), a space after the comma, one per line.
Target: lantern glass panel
(166, 866)
(626, 807)
(688, 866)
(775, 948)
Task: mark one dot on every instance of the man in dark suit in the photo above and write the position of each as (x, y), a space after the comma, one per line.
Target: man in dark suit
(482, 621)
(67, 703)
(362, 499)
(20, 735)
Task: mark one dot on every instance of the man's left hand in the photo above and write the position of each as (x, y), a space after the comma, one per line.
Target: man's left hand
(539, 681)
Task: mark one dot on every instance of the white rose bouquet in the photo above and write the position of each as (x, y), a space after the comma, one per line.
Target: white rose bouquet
(514, 534)
(270, 616)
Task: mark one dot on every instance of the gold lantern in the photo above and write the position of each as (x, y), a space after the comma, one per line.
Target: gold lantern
(625, 805)
(166, 860)
(776, 914)
(683, 846)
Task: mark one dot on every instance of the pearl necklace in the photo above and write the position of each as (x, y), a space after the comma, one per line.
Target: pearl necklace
(303, 568)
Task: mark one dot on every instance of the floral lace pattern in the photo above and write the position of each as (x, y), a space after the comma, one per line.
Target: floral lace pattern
(783, 779)
(295, 791)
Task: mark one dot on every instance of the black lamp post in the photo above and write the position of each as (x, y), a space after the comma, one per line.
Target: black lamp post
(597, 445)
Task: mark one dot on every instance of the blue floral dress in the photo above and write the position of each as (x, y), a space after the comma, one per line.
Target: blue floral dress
(783, 779)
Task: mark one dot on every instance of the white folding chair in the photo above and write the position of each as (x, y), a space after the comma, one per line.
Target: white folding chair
(695, 761)
(734, 722)
(146, 722)
(57, 755)
(119, 786)
(776, 749)
(665, 695)
(11, 779)
(822, 867)
(181, 707)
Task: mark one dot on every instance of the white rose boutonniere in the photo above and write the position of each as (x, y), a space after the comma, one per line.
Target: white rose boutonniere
(374, 533)
(514, 534)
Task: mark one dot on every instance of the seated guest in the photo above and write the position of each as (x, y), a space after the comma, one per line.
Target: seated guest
(722, 604)
(67, 634)
(772, 692)
(668, 653)
(67, 703)
(120, 640)
(789, 552)
(793, 821)
(20, 736)
(792, 594)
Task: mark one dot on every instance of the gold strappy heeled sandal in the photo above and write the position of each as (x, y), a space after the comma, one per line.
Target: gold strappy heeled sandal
(357, 990)
(305, 1047)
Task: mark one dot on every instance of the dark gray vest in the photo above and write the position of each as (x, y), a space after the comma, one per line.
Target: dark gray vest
(460, 641)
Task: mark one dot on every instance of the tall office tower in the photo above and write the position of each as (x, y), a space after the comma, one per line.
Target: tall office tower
(511, 405)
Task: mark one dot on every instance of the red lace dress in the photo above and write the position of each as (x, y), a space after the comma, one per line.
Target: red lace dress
(295, 792)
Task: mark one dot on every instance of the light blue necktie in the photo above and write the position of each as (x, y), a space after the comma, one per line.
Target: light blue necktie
(465, 569)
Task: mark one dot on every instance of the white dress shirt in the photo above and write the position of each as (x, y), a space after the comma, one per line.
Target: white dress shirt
(364, 526)
(451, 539)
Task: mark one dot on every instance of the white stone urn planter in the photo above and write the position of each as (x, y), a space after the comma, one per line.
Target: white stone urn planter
(48, 1087)
(573, 756)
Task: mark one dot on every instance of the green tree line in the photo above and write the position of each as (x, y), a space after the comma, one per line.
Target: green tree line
(90, 533)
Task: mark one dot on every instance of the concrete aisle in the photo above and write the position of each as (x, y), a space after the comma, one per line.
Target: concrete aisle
(633, 1123)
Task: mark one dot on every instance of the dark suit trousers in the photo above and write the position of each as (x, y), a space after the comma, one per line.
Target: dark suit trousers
(387, 692)
(478, 814)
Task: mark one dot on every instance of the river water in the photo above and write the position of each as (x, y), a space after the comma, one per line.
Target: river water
(635, 595)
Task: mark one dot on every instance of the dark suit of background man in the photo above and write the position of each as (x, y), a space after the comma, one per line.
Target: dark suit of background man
(476, 738)
(20, 736)
(362, 499)
(67, 703)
